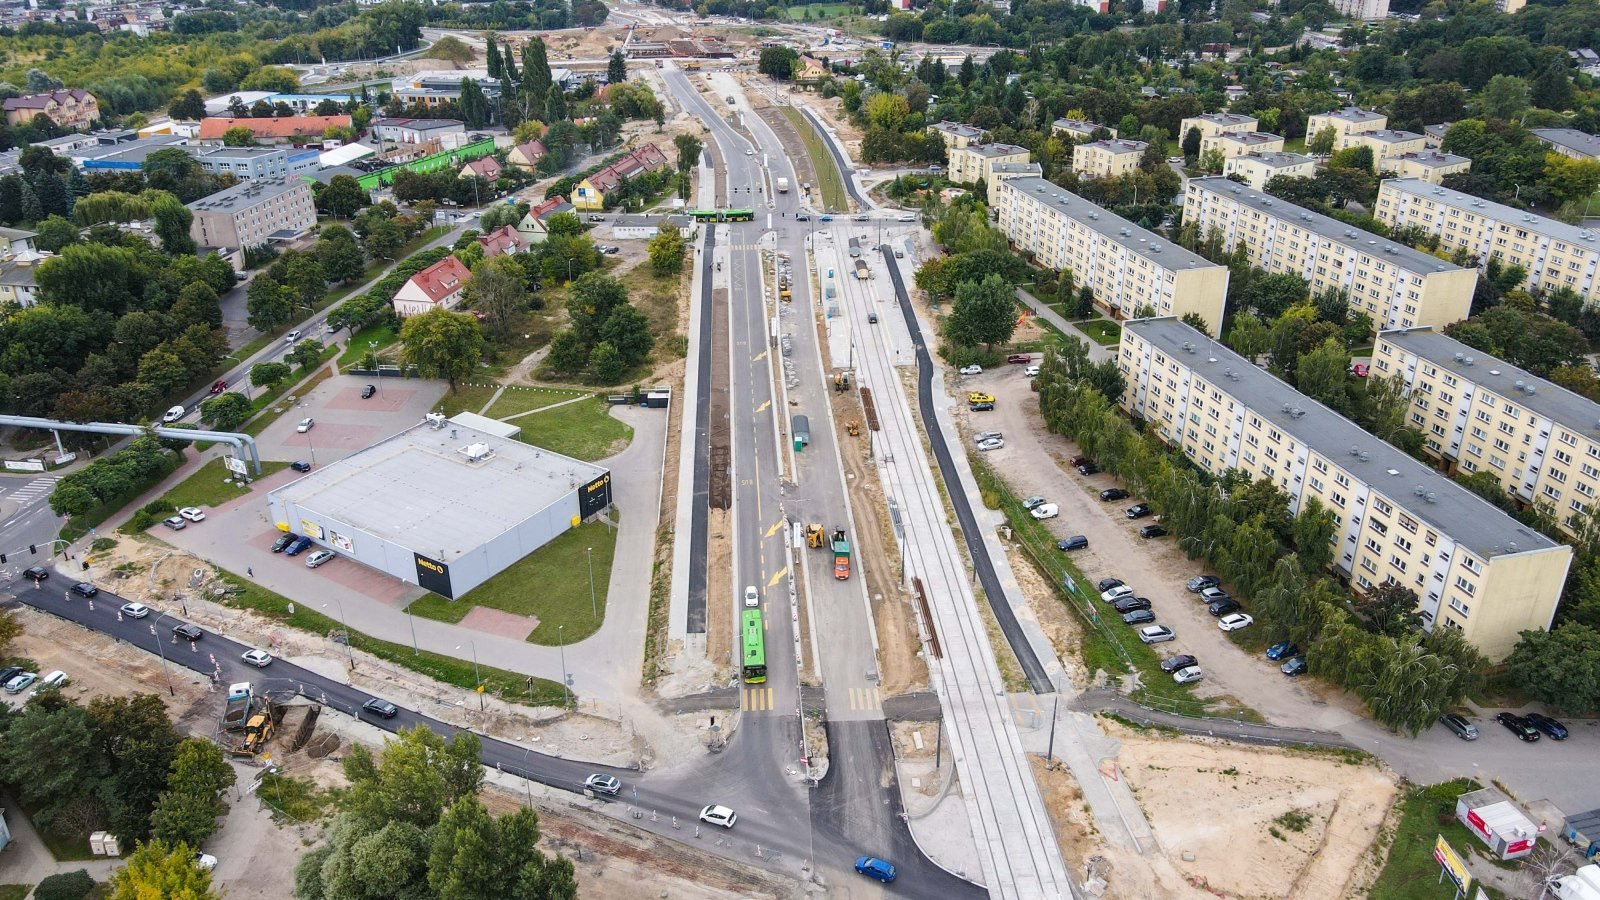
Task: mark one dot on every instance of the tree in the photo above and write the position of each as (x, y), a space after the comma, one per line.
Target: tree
(443, 344)
(689, 148)
(306, 353)
(187, 812)
(1212, 160)
(64, 736)
(268, 374)
(591, 301)
(238, 136)
(302, 274)
(555, 104)
(984, 313)
(1504, 97)
(383, 238)
(778, 63)
(342, 196)
(342, 260)
(608, 363)
(474, 104)
(1322, 374)
(191, 107)
(268, 305)
(617, 68)
(170, 222)
(667, 250)
(1191, 144)
(55, 233)
(65, 886)
(627, 330)
(499, 290)
(1560, 667)
(157, 869)
(225, 412)
(472, 855)
(1322, 143)
(1389, 609)
(1085, 305)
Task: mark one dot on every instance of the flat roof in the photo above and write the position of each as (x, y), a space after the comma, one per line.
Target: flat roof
(1075, 125)
(1247, 137)
(1118, 145)
(1573, 411)
(246, 194)
(1330, 228)
(1431, 158)
(1388, 136)
(1352, 114)
(419, 490)
(1467, 518)
(1276, 159)
(1108, 224)
(992, 149)
(1570, 138)
(1489, 209)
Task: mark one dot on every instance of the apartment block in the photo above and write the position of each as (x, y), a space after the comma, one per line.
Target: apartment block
(1429, 165)
(1385, 144)
(253, 213)
(1079, 130)
(1213, 124)
(971, 164)
(1569, 142)
(1365, 10)
(253, 163)
(1433, 135)
(1397, 286)
(1472, 567)
(1259, 168)
(1554, 253)
(1349, 120)
(955, 134)
(1239, 143)
(1126, 266)
(1107, 159)
(1482, 414)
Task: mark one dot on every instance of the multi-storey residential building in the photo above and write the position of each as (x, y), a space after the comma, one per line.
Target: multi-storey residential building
(68, 108)
(1510, 6)
(1569, 142)
(1107, 159)
(1395, 285)
(1365, 10)
(1385, 144)
(1001, 171)
(1259, 168)
(277, 130)
(1238, 143)
(1433, 135)
(1128, 267)
(1213, 124)
(252, 163)
(1471, 566)
(253, 214)
(1345, 121)
(1482, 414)
(955, 134)
(1079, 130)
(1554, 253)
(1429, 165)
(971, 164)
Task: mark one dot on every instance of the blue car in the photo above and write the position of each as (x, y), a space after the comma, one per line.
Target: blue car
(299, 545)
(827, 218)
(1282, 650)
(873, 867)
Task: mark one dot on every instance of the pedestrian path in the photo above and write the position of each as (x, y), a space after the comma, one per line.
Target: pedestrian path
(1097, 353)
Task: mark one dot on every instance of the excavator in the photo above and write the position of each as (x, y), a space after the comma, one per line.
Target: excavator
(814, 536)
(853, 427)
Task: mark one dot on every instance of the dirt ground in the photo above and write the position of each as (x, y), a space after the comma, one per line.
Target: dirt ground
(719, 587)
(98, 665)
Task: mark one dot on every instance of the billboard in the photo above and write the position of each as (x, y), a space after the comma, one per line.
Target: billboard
(1453, 866)
(433, 575)
(594, 496)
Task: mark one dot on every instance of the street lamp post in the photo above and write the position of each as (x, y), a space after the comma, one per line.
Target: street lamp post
(594, 607)
(525, 779)
(566, 694)
(342, 618)
(476, 672)
(373, 346)
(156, 633)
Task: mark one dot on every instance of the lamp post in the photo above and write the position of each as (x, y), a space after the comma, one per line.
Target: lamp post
(525, 779)
(373, 346)
(594, 607)
(342, 618)
(155, 633)
(566, 694)
(476, 673)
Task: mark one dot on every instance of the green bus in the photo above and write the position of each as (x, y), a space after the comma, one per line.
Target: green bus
(723, 215)
(755, 648)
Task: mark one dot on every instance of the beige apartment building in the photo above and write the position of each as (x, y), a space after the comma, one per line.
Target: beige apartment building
(955, 134)
(1479, 413)
(1429, 165)
(1126, 266)
(1239, 143)
(1554, 253)
(1569, 142)
(1107, 159)
(1472, 567)
(1259, 168)
(254, 213)
(1079, 130)
(1385, 144)
(1349, 120)
(1397, 286)
(972, 163)
(1213, 124)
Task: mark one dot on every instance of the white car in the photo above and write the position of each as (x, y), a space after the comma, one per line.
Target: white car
(205, 861)
(992, 444)
(971, 370)
(135, 610)
(291, 337)
(1117, 593)
(1188, 675)
(1156, 634)
(193, 514)
(719, 815)
(172, 415)
(258, 658)
(1046, 511)
(318, 558)
(55, 679)
(1031, 371)
(751, 598)
(748, 152)
(305, 425)
(908, 217)
(982, 436)
(1235, 621)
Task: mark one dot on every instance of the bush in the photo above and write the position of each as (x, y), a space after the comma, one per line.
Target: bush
(66, 886)
(969, 356)
(148, 515)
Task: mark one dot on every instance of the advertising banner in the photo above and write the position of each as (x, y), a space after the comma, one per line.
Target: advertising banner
(594, 496)
(1453, 866)
(433, 575)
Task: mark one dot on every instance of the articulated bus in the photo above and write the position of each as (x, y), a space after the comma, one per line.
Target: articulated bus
(755, 648)
(723, 215)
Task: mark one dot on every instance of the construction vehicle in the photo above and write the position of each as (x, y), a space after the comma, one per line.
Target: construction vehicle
(814, 536)
(841, 555)
(862, 272)
(853, 427)
(237, 712)
(841, 382)
(257, 733)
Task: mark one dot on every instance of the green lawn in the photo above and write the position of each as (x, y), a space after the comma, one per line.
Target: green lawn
(205, 487)
(821, 10)
(14, 891)
(361, 343)
(1102, 331)
(551, 583)
(466, 398)
(579, 430)
(1411, 872)
(829, 181)
(523, 399)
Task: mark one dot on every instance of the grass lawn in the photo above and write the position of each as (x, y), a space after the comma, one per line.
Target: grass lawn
(821, 10)
(551, 583)
(361, 343)
(1411, 872)
(829, 181)
(466, 398)
(530, 330)
(1102, 331)
(14, 891)
(205, 487)
(657, 298)
(579, 430)
(524, 399)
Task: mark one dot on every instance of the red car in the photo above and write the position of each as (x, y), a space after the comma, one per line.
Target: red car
(1019, 358)
(219, 386)
(1359, 370)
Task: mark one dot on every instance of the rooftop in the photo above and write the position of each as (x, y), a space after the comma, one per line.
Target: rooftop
(1226, 118)
(420, 489)
(1276, 159)
(1418, 489)
(244, 196)
(212, 128)
(1249, 138)
(1355, 114)
(1570, 139)
(1431, 158)
(1553, 228)
(1317, 223)
(1118, 145)
(1389, 136)
(1573, 411)
(1158, 249)
(418, 124)
(1077, 126)
(993, 150)
(957, 128)
(249, 152)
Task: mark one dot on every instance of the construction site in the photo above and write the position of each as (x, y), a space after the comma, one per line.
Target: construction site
(258, 726)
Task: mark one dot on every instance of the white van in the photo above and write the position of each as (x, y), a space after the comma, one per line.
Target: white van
(173, 415)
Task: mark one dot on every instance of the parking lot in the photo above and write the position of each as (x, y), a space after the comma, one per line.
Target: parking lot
(343, 421)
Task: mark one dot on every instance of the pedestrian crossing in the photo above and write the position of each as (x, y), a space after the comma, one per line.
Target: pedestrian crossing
(756, 699)
(33, 490)
(759, 698)
(865, 699)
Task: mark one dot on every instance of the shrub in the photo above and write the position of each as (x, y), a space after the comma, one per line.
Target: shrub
(66, 886)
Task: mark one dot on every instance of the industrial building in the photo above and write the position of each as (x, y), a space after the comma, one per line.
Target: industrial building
(442, 505)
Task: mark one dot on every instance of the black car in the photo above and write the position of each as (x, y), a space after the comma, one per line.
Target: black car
(1555, 730)
(981, 407)
(381, 708)
(283, 541)
(10, 672)
(85, 589)
(1088, 469)
(1080, 460)
(37, 573)
(1139, 617)
(1181, 661)
(1106, 584)
(801, 217)
(1220, 608)
(1201, 582)
(1076, 542)
(1294, 665)
(1113, 494)
(1138, 510)
(300, 465)
(1131, 604)
(1150, 532)
(188, 631)
(1518, 726)
(368, 391)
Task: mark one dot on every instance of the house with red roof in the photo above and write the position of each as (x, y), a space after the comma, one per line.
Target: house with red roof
(591, 192)
(439, 286)
(274, 130)
(534, 226)
(501, 241)
(526, 156)
(488, 169)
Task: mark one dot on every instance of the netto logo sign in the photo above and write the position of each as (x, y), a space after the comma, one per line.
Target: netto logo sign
(433, 575)
(594, 496)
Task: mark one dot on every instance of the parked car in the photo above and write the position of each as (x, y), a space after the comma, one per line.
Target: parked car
(719, 815)
(1235, 621)
(1106, 584)
(1212, 595)
(1139, 617)
(37, 573)
(20, 683)
(9, 672)
(85, 589)
(188, 632)
(218, 386)
(1088, 469)
(55, 679)
(1150, 532)
(192, 514)
(300, 465)
(298, 547)
(905, 217)
(873, 867)
(1459, 724)
(283, 541)
(1188, 675)
(1138, 510)
(872, 318)
(1110, 494)
(381, 708)
(979, 397)
(603, 784)
(971, 370)
(1044, 510)
(1293, 666)
(1112, 595)
(368, 391)
(1031, 502)
(1031, 371)
(176, 523)
(1518, 726)
(1076, 542)
(1201, 582)
(1222, 607)
(1019, 359)
(982, 436)
(1283, 650)
(1130, 604)
(1359, 370)
(305, 425)
(992, 444)
(135, 610)
(1553, 729)
(1080, 460)
(1181, 661)
(1156, 634)
(984, 406)
(318, 558)
(596, 217)
(258, 658)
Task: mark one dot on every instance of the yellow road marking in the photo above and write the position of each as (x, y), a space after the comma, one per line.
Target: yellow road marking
(763, 407)
(759, 356)
(774, 529)
(777, 576)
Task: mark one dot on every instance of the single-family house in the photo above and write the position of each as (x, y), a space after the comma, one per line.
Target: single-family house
(439, 286)
(487, 168)
(533, 228)
(501, 241)
(591, 192)
(526, 156)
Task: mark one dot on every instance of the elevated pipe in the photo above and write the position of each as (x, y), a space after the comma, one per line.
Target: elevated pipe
(241, 443)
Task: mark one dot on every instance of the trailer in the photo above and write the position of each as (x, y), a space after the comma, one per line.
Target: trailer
(862, 272)
(801, 431)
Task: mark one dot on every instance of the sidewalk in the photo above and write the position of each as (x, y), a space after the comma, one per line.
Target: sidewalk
(1097, 353)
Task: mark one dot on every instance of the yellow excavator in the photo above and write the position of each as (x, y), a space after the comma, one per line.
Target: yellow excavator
(854, 428)
(814, 536)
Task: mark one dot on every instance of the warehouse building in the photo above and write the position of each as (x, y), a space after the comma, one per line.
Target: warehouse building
(442, 505)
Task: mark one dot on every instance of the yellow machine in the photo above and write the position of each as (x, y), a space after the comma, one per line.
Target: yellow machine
(841, 381)
(814, 536)
(854, 428)
(257, 732)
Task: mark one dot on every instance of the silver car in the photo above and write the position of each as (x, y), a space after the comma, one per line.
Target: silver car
(1156, 634)
(318, 558)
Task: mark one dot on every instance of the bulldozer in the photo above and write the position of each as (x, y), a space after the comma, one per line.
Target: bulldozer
(853, 427)
(814, 536)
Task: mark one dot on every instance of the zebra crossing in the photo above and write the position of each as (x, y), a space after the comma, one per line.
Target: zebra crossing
(757, 698)
(33, 490)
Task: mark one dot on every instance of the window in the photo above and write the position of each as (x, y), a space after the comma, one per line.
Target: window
(1466, 586)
